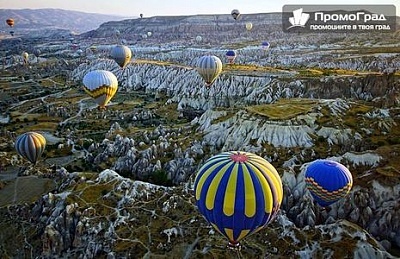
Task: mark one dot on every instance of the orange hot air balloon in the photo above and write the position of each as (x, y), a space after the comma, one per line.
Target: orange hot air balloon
(10, 22)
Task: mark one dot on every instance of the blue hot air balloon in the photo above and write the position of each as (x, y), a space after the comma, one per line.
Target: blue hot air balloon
(231, 56)
(328, 181)
(30, 145)
(238, 193)
(265, 45)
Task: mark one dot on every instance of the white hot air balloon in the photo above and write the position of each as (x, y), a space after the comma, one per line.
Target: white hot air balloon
(209, 67)
(101, 85)
(249, 26)
(25, 56)
(121, 54)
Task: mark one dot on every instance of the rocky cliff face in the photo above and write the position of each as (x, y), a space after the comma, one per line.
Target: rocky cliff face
(184, 86)
(181, 28)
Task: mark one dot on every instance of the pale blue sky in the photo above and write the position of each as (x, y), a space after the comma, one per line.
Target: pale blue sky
(174, 7)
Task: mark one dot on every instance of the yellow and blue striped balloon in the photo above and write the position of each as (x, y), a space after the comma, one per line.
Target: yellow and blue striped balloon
(328, 181)
(209, 67)
(30, 145)
(238, 193)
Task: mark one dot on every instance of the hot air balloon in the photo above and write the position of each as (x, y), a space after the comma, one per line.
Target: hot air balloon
(209, 67)
(235, 14)
(149, 33)
(141, 15)
(249, 26)
(231, 56)
(121, 54)
(12, 33)
(199, 38)
(93, 48)
(30, 145)
(265, 45)
(10, 22)
(25, 56)
(328, 181)
(36, 52)
(238, 193)
(117, 33)
(100, 85)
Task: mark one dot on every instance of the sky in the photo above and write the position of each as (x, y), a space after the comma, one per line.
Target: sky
(131, 8)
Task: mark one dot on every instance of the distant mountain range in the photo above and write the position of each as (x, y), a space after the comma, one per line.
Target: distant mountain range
(39, 19)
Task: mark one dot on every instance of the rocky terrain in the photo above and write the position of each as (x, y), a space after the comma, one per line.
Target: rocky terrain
(119, 183)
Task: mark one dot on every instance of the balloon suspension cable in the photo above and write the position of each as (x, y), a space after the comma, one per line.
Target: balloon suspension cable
(236, 247)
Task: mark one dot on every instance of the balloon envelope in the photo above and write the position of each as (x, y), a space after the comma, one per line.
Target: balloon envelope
(238, 193)
(121, 54)
(231, 56)
(30, 145)
(100, 85)
(25, 56)
(209, 67)
(235, 14)
(265, 45)
(249, 26)
(10, 22)
(36, 52)
(328, 181)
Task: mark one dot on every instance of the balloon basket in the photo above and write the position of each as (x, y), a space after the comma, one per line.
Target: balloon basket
(234, 246)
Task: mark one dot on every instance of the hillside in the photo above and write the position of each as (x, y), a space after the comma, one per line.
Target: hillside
(39, 19)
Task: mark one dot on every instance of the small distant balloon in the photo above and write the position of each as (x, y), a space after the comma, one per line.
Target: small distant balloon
(265, 45)
(199, 38)
(328, 181)
(93, 48)
(249, 26)
(25, 56)
(10, 22)
(31, 146)
(141, 15)
(101, 85)
(209, 67)
(36, 52)
(149, 33)
(231, 56)
(12, 33)
(121, 54)
(235, 14)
